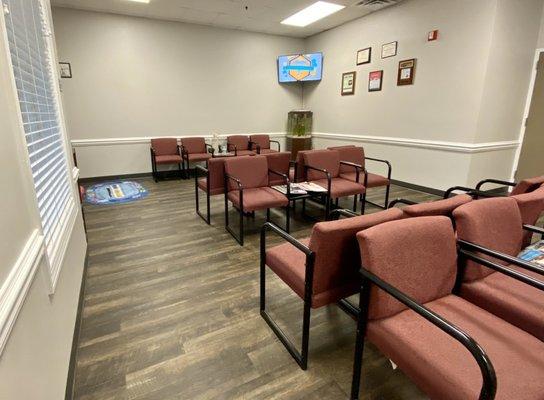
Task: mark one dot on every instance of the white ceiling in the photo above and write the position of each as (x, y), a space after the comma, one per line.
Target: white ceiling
(250, 15)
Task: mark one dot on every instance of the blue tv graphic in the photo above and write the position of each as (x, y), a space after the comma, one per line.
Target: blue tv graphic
(300, 67)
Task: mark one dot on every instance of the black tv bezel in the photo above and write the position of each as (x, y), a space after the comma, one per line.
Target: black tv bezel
(298, 54)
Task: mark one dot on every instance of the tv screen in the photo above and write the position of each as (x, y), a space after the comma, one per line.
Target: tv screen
(300, 67)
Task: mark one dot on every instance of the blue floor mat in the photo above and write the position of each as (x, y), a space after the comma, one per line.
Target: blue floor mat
(115, 192)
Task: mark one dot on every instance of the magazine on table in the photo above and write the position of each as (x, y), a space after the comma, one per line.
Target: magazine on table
(312, 187)
(294, 188)
(534, 253)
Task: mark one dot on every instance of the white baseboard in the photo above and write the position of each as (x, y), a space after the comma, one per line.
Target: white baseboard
(16, 286)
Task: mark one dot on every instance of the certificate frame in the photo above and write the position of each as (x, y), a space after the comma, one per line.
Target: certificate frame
(364, 56)
(407, 69)
(389, 49)
(348, 85)
(65, 70)
(375, 79)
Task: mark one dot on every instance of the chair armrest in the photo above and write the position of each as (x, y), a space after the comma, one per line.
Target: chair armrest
(463, 244)
(534, 229)
(474, 193)
(209, 148)
(357, 167)
(324, 171)
(284, 176)
(229, 146)
(200, 168)
(269, 226)
(335, 214)
(489, 385)
(278, 143)
(251, 143)
(401, 201)
(238, 182)
(529, 280)
(497, 181)
(382, 161)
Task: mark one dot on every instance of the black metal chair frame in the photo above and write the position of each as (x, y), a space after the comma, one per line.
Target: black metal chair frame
(474, 193)
(495, 181)
(259, 147)
(240, 237)
(230, 146)
(155, 172)
(387, 188)
(206, 218)
(185, 159)
(393, 203)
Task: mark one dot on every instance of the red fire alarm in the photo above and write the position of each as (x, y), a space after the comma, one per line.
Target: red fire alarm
(433, 35)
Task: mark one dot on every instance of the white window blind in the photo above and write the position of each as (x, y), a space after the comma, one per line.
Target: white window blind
(27, 32)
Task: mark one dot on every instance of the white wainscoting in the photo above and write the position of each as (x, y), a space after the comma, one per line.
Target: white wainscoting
(15, 288)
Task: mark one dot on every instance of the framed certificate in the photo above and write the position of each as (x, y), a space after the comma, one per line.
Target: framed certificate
(389, 49)
(375, 81)
(363, 56)
(407, 69)
(348, 83)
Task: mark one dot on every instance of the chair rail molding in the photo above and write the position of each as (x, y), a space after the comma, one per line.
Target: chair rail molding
(17, 284)
(457, 147)
(147, 139)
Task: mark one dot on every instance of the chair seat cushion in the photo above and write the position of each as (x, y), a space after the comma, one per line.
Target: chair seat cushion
(509, 299)
(168, 159)
(213, 191)
(444, 369)
(258, 198)
(342, 187)
(373, 180)
(199, 156)
(289, 263)
(268, 151)
(245, 153)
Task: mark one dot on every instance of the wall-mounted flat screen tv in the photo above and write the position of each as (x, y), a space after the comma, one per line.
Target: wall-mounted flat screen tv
(300, 67)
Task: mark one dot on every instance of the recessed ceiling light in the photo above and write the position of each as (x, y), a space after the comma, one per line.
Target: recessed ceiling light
(312, 13)
(140, 1)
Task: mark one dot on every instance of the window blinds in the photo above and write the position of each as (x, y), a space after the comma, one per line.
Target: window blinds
(33, 71)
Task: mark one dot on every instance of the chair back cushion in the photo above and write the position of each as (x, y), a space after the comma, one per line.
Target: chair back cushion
(530, 205)
(165, 146)
(337, 260)
(194, 145)
(240, 141)
(350, 154)
(324, 159)
(251, 171)
(418, 256)
(494, 223)
(528, 185)
(439, 207)
(216, 174)
(278, 162)
(262, 140)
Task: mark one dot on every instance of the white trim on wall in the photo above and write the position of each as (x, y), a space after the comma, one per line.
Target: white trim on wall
(16, 286)
(147, 139)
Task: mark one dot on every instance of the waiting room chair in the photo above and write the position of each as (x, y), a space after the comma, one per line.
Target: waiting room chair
(194, 149)
(239, 145)
(212, 184)
(451, 348)
(531, 207)
(261, 143)
(247, 188)
(321, 269)
(164, 151)
(494, 228)
(524, 186)
(322, 167)
(356, 155)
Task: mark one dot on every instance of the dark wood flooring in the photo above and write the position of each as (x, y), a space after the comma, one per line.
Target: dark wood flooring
(171, 311)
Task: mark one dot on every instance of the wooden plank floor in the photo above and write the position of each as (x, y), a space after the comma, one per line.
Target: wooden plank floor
(171, 311)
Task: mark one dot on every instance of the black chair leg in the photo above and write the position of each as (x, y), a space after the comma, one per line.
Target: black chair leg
(355, 203)
(360, 339)
(287, 218)
(268, 215)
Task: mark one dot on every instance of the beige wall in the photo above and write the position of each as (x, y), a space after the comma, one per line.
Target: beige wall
(34, 361)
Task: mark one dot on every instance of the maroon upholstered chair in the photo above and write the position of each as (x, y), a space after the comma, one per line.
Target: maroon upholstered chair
(261, 143)
(278, 162)
(451, 348)
(247, 188)
(239, 144)
(437, 207)
(212, 184)
(194, 149)
(356, 155)
(524, 186)
(531, 206)
(322, 167)
(321, 269)
(164, 151)
(493, 227)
